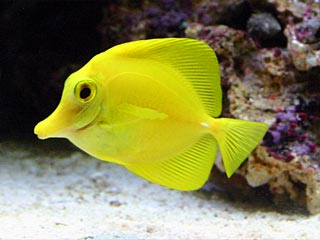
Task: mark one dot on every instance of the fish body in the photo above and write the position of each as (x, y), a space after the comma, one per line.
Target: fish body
(151, 106)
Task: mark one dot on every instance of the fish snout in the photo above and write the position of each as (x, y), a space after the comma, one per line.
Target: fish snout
(58, 124)
(39, 130)
(51, 127)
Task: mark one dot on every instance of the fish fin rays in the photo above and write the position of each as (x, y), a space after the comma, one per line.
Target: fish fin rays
(193, 59)
(237, 139)
(186, 171)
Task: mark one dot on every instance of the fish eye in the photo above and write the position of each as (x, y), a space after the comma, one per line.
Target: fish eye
(85, 91)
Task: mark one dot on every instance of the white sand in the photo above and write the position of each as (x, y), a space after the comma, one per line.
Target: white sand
(47, 194)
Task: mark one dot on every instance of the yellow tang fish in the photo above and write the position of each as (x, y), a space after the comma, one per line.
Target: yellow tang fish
(151, 106)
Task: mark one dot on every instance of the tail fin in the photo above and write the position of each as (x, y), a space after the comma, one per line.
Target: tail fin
(236, 140)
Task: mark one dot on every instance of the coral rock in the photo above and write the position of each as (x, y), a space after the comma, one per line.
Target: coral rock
(266, 84)
(302, 184)
(304, 56)
(263, 26)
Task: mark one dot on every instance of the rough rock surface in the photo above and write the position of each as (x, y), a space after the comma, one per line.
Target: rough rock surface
(278, 85)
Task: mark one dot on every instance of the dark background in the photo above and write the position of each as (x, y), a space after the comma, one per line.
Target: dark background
(42, 42)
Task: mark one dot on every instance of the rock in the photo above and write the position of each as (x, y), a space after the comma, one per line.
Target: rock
(266, 84)
(298, 178)
(263, 26)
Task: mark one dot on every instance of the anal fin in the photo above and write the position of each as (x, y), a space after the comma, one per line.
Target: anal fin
(186, 171)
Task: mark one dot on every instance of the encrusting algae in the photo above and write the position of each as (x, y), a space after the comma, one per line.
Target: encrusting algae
(151, 106)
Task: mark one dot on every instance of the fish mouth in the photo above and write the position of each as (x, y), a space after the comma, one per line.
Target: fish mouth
(51, 127)
(57, 125)
(66, 120)
(38, 130)
(43, 130)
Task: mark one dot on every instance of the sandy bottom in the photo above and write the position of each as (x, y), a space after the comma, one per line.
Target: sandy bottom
(50, 193)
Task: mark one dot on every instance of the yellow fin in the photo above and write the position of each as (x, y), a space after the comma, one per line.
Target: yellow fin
(193, 59)
(236, 140)
(141, 112)
(186, 171)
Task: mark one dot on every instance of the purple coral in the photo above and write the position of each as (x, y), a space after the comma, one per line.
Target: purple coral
(167, 19)
(306, 32)
(288, 135)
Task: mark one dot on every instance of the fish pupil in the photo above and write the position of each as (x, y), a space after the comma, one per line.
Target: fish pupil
(85, 92)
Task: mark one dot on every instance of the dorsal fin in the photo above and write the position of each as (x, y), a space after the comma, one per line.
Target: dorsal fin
(193, 59)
